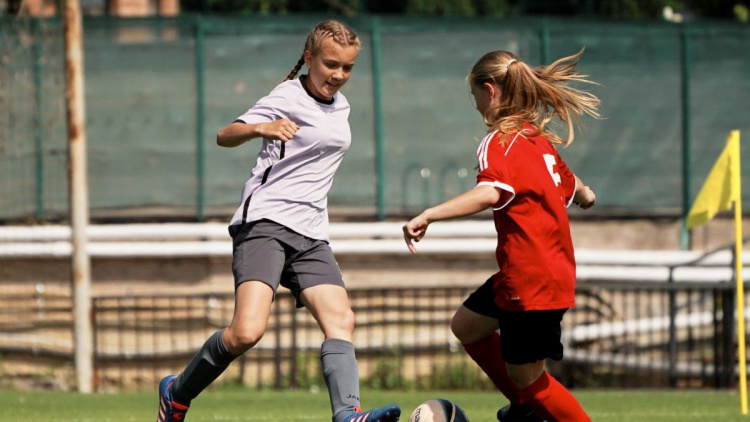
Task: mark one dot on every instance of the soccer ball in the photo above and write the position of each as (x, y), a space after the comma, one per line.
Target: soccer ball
(438, 410)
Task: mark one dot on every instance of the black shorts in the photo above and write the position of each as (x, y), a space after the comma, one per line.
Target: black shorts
(276, 255)
(526, 336)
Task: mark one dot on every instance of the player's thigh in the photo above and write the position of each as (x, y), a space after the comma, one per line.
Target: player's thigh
(329, 305)
(311, 265)
(257, 264)
(469, 326)
(315, 279)
(477, 317)
(252, 308)
(258, 253)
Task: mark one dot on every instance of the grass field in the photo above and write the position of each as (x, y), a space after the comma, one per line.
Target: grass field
(252, 405)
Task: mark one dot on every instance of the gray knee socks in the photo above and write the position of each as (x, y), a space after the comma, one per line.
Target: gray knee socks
(341, 375)
(206, 366)
(337, 357)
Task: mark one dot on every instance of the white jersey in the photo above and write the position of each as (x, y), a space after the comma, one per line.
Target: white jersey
(290, 181)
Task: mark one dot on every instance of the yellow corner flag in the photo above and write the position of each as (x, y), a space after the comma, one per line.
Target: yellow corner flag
(722, 186)
(721, 189)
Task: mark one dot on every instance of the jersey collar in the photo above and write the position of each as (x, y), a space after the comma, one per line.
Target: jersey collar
(313, 96)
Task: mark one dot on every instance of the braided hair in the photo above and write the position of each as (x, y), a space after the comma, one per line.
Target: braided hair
(339, 32)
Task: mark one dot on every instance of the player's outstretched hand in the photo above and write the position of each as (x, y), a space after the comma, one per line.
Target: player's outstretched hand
(415, 230)
(585, 198)
(282, 129)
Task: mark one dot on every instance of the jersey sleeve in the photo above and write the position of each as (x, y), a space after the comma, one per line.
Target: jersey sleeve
(267, 109)
(567, 179)
(494, 169)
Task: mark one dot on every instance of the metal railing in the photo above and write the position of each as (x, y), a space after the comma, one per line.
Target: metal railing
(668, 322)
(621, 334)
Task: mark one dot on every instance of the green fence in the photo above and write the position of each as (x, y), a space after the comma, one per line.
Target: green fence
(157, 90)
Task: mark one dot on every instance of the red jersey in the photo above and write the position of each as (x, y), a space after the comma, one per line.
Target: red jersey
(534, 247)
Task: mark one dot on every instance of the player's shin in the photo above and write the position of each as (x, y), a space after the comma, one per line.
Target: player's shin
(341, 374)
(206, 366)
(488, 354)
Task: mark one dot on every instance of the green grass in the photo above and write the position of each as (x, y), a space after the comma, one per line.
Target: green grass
(252, 405)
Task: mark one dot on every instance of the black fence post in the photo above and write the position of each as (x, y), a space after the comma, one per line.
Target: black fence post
(717, 324)
(294, 351)
(727, 331)
(672, 329)
(94, 348)
(277, 352)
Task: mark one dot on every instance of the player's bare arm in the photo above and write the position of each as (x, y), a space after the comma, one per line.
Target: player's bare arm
(468, 203)
(584, 196)
(237, 133)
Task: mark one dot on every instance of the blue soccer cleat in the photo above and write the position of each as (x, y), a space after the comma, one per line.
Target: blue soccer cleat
(518, 413)
(389, 413)
(169, 410)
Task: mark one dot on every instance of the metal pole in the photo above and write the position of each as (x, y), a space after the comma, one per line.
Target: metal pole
(740, 285)
(672, 345)
(294, 353)
(199, 111)
(377, 82)
(38, 120)
(686, 165)
(78, 185)
(544, 41)
(277, 355)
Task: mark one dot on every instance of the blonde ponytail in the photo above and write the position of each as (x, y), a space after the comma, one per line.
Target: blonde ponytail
(534, 96)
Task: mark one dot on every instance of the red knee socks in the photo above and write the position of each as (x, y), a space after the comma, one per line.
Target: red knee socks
(545, 395)
(489, 356)
(553, 401)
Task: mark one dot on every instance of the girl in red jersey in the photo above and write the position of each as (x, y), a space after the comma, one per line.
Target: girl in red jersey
(528, 186)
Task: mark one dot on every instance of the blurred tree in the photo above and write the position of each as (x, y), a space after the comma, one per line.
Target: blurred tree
(343, 7)
(616, 9)
(742, 13)
(441, 7)
(12, 7)
(637, 9)
(611, 9)
(717, 8)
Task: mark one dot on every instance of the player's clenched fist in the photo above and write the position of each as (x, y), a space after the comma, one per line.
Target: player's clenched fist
(282, 129)
(585, 197)
(239, 132)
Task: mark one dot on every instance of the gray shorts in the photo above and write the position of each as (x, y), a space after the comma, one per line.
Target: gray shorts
(273, 254)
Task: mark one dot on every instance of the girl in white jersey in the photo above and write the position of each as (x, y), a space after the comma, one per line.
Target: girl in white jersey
(280, 229)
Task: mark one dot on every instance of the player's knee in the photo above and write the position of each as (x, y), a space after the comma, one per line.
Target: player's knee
(240, 340)
(525, 375)
(347, 321)
(338, 325)
(459, 330)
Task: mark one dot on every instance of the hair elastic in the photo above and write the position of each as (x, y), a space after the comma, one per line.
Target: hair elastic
(510, 61)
